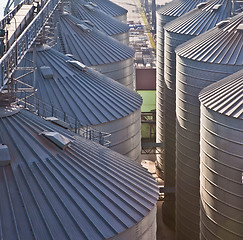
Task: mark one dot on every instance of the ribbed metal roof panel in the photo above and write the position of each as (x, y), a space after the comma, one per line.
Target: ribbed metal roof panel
(101, 20)
(109, 7)
(83, 192)
(201, 19)
(90, 46)
(90, 97)
(225, 96)
(178, 7)
(221, 45)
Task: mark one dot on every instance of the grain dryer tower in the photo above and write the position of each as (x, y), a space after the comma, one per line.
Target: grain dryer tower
(95, 49)
(201, 61)
(66, 86)
(111, 8)
(102, 21)
(176, 32)
(57, 185)
(164, 15)
(221, 157)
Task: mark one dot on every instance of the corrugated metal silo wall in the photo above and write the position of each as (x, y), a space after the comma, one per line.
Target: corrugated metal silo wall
(122, 18)
(144, 230)
(221, 185)
(122, 71)
(125, 135)
(171, 41)
(161, 21)
(191, 77)
(122, 37)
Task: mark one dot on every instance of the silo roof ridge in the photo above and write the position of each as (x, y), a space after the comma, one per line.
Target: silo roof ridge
(225, 96)
(220, 45)
(178, 7)
(200, 19)
(101, 20)
(91, 47)
(64, 194)
(87, 95)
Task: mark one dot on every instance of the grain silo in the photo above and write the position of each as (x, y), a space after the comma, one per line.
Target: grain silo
(164, 15)
(111, 8)
(201, 61)
(102, 21)
(57, 185)
(221, 159)
(87, 96)
(176, 32)
(95, 49)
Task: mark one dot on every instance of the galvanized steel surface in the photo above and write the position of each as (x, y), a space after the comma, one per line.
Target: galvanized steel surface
(164, 15)
(192, 75)
(89, 96)
(102, 21)
(111, 8)
(221, 45)
(83, 192)
(96, 49)
(177, 32)
(221, 156)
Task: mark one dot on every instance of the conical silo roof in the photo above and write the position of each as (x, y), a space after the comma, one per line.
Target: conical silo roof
(88, 96)
(221, 158)
(221, 45)
(102, 21)
(200, 62)
(225, 96)
(165, 14)
(111, 8)
(176, 32)
(82, 191)
(95, 49)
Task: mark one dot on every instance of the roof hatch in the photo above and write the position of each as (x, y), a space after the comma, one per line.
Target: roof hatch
(57, 138)
(46, 72)
(4, 155)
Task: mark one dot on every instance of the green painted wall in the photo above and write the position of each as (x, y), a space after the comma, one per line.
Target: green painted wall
(149, 100)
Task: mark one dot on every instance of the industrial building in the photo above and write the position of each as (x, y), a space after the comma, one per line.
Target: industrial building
(70, 120)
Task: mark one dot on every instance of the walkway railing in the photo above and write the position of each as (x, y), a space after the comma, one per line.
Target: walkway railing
(16, 52)
(44, 110)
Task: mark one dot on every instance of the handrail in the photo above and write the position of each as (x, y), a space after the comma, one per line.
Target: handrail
(11, 59)
(44, 110)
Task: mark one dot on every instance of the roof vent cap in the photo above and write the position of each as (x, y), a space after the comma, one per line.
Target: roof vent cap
(58, 122)
(240, 27)
(93, 4)
(4, 155)
(57, 138)
(77, 64)
(89, 23)
(83, 27)
(201, 5)
(89, 7)
(222, 23)
(216, 7)
(46, 72)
